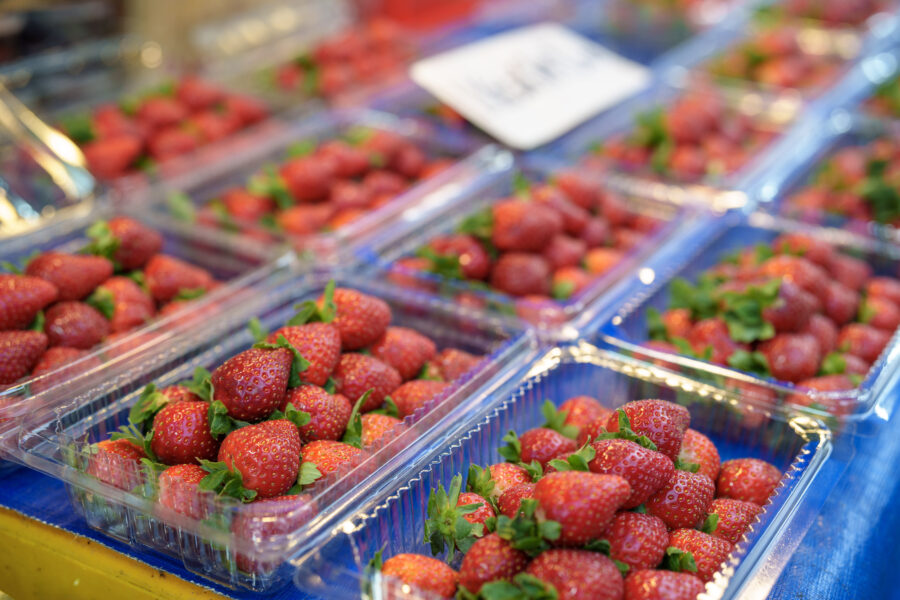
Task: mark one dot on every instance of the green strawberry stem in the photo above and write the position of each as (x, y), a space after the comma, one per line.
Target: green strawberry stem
(224, 481)
(353, 432)
(525, 532)
(626, 433)
(577, 461)
(556, 420)
(298, 365)
(310, 312)
(446, 529)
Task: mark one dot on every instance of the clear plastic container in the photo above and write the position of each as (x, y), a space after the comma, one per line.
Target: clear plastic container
(707, 245)
(244, 270)
(393, 521)
(54, 440)
(327, 248)
(555, 319)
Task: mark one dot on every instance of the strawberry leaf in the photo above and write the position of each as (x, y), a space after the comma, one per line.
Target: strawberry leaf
(751, 362)
(562, 290)
(602, 546)
(626, 433)
(181, 207)
(389, 408)
(39, 321)
(525, 532)
(353, 432)
(103, 242)
(478, 224)
(866, 312)
(301, 148)
(556, 420)
(834, 363)
(429, 371)
(201, 384)
(656, 329)
(743, 311)
(78, 127)
(446, 527)
(298, 365)
(534, 469)
(144, 410)
(699, 299)
(10, 267)
(220, 423)
(270, 184)
(480, 482)
(103, 300)
(622, 566)
(297, 417)
(224, 481)
(330, 385)
(309, 474)
(686, 466)
(512, 452)
(131, 433)
(139, 278)
(520, 185)
(189, 294)
(522, 587)
(258, 332)
(677, 559)
(577, 461)
(311, 312)
(710, 524)
(445, 265)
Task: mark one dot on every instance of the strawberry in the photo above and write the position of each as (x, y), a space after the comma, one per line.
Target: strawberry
(111, 157)
(308, 178)
(384, 183)
(422, 573)
(318, 343)
(578, 574)
(329, 414)
(116, 462)
(863, 341)
(581, 190)
(375, 426)
(582, 503)
(265, 458)
(253, 383)
(510, 500)
(123, 302)
(826, 383)
(160, 111)
(521, 274)
(663, 422)
(469, 254)
(167, 276)
(646, 471)
(797, 270)
(684, 500)
(269, 518)
(883, 287)
(677, 322)
(455, 518)
(357, 373)
(581, 411)
(21, 298)
(453, 363)
(639, 541)
(806, 246)
(75, 325)
(361, 319)
(824, 330)
(245, 206)
(197, 94)
(56, 357)
(849, 271)
(709, 552)
(596, 233)
(181, 434)
(490, 558)
(713, 334)
(349, 160)
(539, 444)
(73, 275)
(650, 584)
(732, 518)
(248, 110)
(600, 260)
(504, 476)
(568, 281)
(697, 449)
(405, 349)
(179, 489)
(413, 395)
(134, 243)
(792, 357)
(19, 351)
(792, 309)
(483, 510)
(328, 456)
(839, 302)
(880, 313)
(520, 226)
(748, 479)
(171, 142)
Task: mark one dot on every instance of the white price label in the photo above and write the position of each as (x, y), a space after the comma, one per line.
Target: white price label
(529, 86)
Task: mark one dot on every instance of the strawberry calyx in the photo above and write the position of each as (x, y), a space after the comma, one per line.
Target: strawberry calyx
(678, 560)
(309, 473)
(525, 532)
(220, 422)
(521, 185)
(556, 420)
(684, 347)
(751, 362)
(656, 329)
(603, 547)
(700, 299)
(256, 329)
(224, 481)
(446, 528)
(201, 384)
(429, 372)
(189, 294)
(103, 300)
(389, 408)
(480, 482)
(353, 432)
(834, 363)
(577, 461)
(181, 207)
(479, 225)
(78, 127)
(297, 417)
(269, 183)
(523, 586)
(710, 524)
(690, 467)
(743, 311)
(445, 265)
(103, 242)
(139, 278)
(310, 312)
(298, 365)
(148, 404)
(512, 451)
(38, 323)
(131, 433)
(301, 148)
(626, 433)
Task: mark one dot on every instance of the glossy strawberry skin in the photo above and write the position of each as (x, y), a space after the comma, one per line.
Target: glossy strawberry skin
(329, 414)
(137, 243)
(792, 357)
(646, 471)
(56, 357)
(698, 449)
(511, 499)
(19, 352)
(357, 373)
(375, 426)
(640, 541)
(735, 518)
(329, 455)
(683, 501)
(578, 574)
(582, 503)
(748, 479)
(116, 462)
(267, 455)
(474, 261)
(179, 490)
(709, 552)
(404, 349)
(253, 383)
(266, 518)
(713, 334)
(422, 573)
(582, 411)
(663, 422)
(166, 276)
(75, 276)
(521, 274)
(523, 226)
(490, 558)
(75, 325)
(481, 513)
(413, 395)
(132, 306)
(181, 434)
(361, 319)
(318, 343)
(543, 445)
(454, 363)
(506, 475)
(863, 341)
(21, 297)
(650, 584)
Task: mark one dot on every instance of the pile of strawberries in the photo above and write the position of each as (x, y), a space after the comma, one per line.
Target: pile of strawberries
(360, 56)
(772, 57)
(307, 400)
(832, 13)
(162, 124)
(320, 187)
(698, 135)
(885, 102)
(64, 304)
(624, 505)
(856, 182)
(797, 310)
(548, 242)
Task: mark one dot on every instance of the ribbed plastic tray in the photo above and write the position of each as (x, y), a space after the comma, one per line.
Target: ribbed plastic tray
(394, 521)
(54, 440)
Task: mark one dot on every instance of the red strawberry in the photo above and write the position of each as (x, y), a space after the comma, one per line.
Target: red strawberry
(678, 322)
(579, 574)
(684, 500)
(709, 552)
(734, 518)
(454, 363)
(637, 540)
(574, 217)
(863, 341)
(361, 319)
(304, 219)
(269, 518)
(245, 206)
(358, 373)
(824, 330)
(197, 94)
(662, 585)
(131, 305)
(481, 513)
(806, 246)
(505, 476)
(181, 434)
(696, 448)
(384, 183)
(56, 357)
(248, 110)
(179, 490)
(111, 157)
(792, 357)
(851, 272)
(568, 281)
(405, 349)
(792, 308)
(375, 425)
(170, 143)
(826, 383)
(328, 414)
(543, 445)
(318, 343)
(75, 276)
(349, 160)
(75, 325)
(663, 422)
(21, 297)
(713, 334)
(839, 302)
(19, 352)
(137, 243)
(582, 411)
(328, 456)
(422, 573)
(520, 226)
(645, 471)
(490, 558)
(267, 456)
(748, 479)
(521, 274)
(253, 383)
(881, 313)
(308, 178)
(581, 190)
(161, 111)
(166, 276)
(474, 262)
(582, 503)
(413, 395)
(511, 499)
(798, 270)
(883, 287)
(116, 462)
(179, 393)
